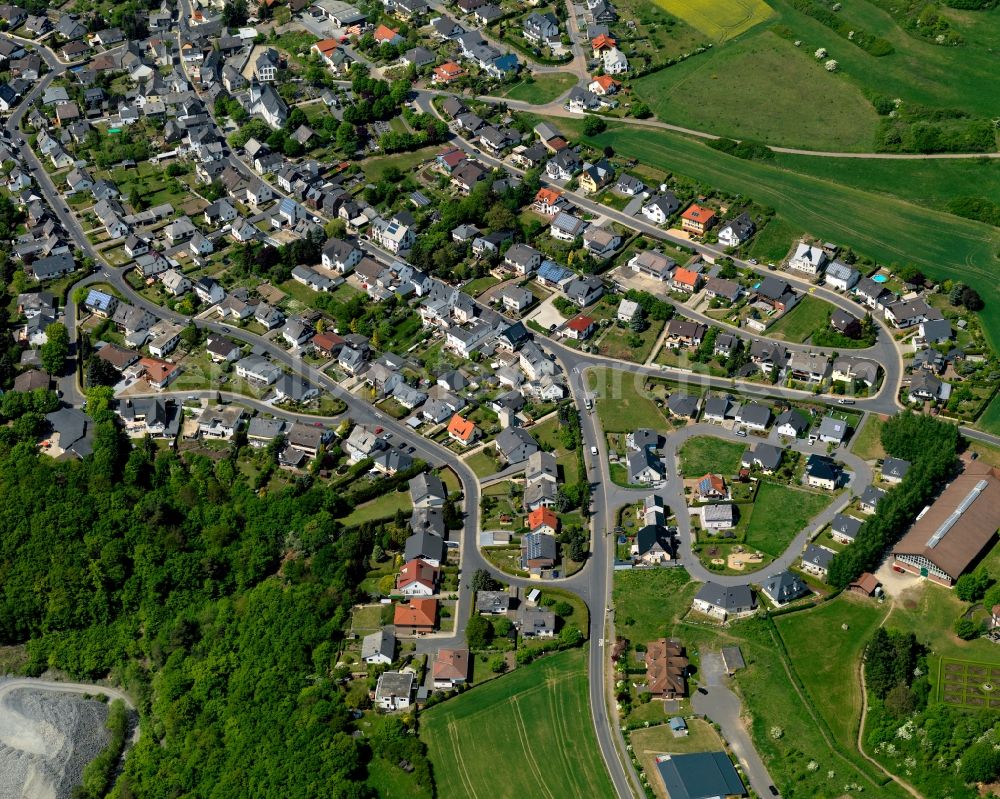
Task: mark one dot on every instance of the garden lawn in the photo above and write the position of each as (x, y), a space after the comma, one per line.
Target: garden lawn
(873, 224)
(703, 454)
(868, 443)
(799, 323)
(482, 464)
(381, 508)
(542, 88)
(377, 166)
(827, 657)
(389, 781)
(614, 343)
(532, 726)
(779, 514)
(623, 404)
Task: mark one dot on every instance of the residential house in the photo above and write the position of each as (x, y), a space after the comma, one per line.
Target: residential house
(718, 516)
(775, 293)
(580, 327)
(725, 602)
(869, 499)
(644, 467)
(684, 333)
(697, 220)
(596, 176)
(736, 231)
(682, 405)
(584, 290)
(832, 430)
(462, 430)
(816, 560)
(515, 445)
(754, 416)
(653, 545)
(718, 288)
(844, 529)
(894, 470)
(686, 281)
(394, 690)
(822, 472)
(808, 367)
(660, 207)
(666, 669)
(791, 423)
(765, 457)
(873, 294)
(257, 369)
(784, 587)
(840, 276)
(600, 241)
(523, 259)
(538, 551)
(908, 313)
(543, 520)
(653, 264)
(808, 258)
(451, 668)
(379, 648)
(417, 578)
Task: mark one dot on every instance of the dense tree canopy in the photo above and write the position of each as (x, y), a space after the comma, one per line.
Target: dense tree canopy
(216, 606)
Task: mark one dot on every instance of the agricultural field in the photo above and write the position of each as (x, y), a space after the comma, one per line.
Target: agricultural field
(798, 324)
(888, 229)
(720, 19)
(918, 72)
(827, 657)
(623, 404)
(519, 724)
(778, 102)
(541, 88)
(779, 514)
(703, 454)
(990, 420)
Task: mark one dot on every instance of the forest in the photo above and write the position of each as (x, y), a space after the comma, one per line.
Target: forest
(219, 608)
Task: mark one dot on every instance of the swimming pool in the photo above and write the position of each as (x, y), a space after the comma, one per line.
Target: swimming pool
(880, 278)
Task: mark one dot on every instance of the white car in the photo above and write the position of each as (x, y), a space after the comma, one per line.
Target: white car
(593, 451)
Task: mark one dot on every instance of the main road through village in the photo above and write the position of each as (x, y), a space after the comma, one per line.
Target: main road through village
(593, 583)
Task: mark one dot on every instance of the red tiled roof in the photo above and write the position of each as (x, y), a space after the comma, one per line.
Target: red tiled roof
(580, 323)
(416, 613)
(603, 42)
(384, 34)
(685, 276)
(417, 571)
(696, 213)
(541, 517)
(461, 427)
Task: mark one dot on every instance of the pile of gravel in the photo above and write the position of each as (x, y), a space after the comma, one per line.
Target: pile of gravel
(46, 739)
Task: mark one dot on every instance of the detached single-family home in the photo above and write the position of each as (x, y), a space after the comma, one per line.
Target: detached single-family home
(816, 560)
(736, 231)
(394, 690)
(697, 219)
(808, 258)
(845, 528)
(784, 587)
(724, 601)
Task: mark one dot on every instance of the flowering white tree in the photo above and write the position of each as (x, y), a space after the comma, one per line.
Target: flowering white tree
(821, 53)
(831, 66)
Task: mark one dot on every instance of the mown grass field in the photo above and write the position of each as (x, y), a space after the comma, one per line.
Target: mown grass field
(778, 80)
(891, 230)
(827, 657)
(622, 403)
(542, 88)
(868, 443)
(525, 734)
(779, 514)
(703, 454)
(379, 508)
(719, 19)
(799, 323)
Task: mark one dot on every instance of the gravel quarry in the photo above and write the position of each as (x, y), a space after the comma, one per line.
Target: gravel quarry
(47, 736)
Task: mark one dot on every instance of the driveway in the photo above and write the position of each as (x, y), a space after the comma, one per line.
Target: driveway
(724, 707)
(546, 315)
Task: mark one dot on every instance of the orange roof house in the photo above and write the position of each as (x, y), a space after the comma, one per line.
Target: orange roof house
(697, 219)
(543, 520)
(158, 373)
(712, 485)
(548, 201)
(603, 42)
(418, 577)
(685, 279)
(386, 35)
(604, 84)
(462, 430)
(325, 47)
(447, 72)
(417, 615)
